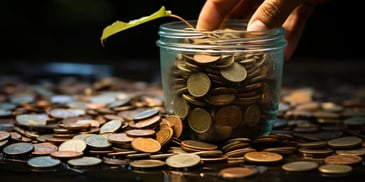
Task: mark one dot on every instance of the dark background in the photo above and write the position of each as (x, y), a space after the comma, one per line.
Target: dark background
(70, 30)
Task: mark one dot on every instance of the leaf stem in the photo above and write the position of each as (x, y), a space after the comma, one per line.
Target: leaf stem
(183, 20)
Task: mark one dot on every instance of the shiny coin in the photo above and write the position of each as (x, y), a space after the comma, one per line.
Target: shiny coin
(183, 160)
(147, 145)
(198, 84)
(164, 135)
(84, 161)
(43, 162)
(263, 157)
(181, 107)
(205, 58)
(143, 123)
(147, 163)
(73, 145)
(199, 120)
(145, 114)
(235, 73)
(111, 126)
(335, 169)
(236, 172)
(299, 166)
(345, 142)
(176, 124)
(97, 141)
(18, 148)
(343, 159)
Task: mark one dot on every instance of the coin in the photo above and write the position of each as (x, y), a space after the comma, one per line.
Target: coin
(180, 107)
(199, 120)
(298, 166)
(66, 154)
(198, 84)
(335, 169)
(235, 73)
(359, 152)
(147, 163)
(236, 172)
(19, 148)
(43, 162)
(345, 142)
(73, 145)
(148, 145)
(4, 135)
(84, 161)
(97, 141)
(44, 148)
(119, 138)
(176, 124)
(110, 126)
(145, 114)
(199, 145)
(263, 157)
(205, 58)
(183, 160)
(343, 159)
(164, 135)
(229, 115)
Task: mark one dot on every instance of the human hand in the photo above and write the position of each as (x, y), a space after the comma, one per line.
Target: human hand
(292, 15)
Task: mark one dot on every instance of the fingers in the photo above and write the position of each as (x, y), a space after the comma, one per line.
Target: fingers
(213, 13)
(271, 13)
(294, 27)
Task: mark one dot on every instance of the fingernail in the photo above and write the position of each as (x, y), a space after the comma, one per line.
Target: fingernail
(257, 26)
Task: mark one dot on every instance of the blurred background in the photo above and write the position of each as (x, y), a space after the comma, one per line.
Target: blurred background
(45, 31)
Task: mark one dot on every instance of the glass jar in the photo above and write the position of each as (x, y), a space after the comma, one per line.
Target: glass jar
(223, 84)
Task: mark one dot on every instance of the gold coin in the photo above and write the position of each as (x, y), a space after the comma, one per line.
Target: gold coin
(180, 107)
(263, 157)
(147, 145)
(236, 172)
(298, 166)
(73, 145)
(198, 84)
(235, 73)
(205, 58)
(183, 160)
(199, 120)
(164, 135)
(335, 169)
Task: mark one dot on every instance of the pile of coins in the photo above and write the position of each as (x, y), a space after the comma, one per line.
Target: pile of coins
(121, 124)
(221, 96)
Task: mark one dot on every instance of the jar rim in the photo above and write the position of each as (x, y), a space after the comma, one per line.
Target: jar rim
(173, 35)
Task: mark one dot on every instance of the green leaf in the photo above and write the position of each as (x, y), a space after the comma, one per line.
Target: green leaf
(119, 26)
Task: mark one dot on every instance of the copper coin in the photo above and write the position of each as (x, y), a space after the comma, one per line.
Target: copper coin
(236, 172)
(343, 159)
(229, 115)
(164, 135)
(44, 148)
(140, 132)
(119, 138)
(143, 123)
(263, 157)
(335, 169)
(147, 145)
(176, 124)
(66, 154)
(4, 135)
(199, 145)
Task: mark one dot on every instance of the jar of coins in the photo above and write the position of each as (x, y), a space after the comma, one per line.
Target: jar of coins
(224, 83)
